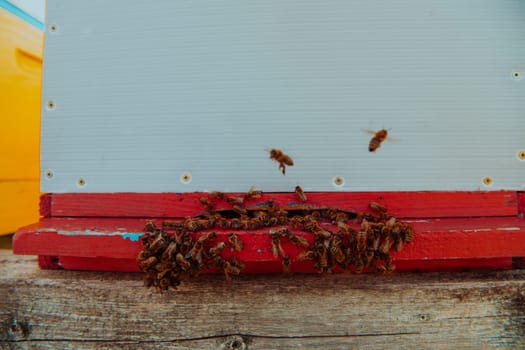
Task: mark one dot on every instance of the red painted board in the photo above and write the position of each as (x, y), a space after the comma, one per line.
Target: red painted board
(435, 239)
(521, 203)
(400, 204)
(129, 265)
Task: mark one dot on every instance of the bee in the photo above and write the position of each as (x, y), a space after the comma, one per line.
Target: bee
(235, 242)
(336, 250)
(385, 246)
(389, 265)
(170, 251)
(217, 249)
(228, 267)
(150, 227)
(172, 225)
(207, 237)
(159, 243)
(262, 218)
(223, 223)
(206, 202)
(196, 250)
(236, 224)
(320, 232)
(300, 193)
(239, 210)
(322, 258)
(253, 193)
(183, 263)
(282, 158)
(217, 195)
(148, 263)
(408, 233)
(377, 140)
(377, 207)
(191, 224)
(306, 255)
(361, 241)
(285, 262)
(277, 249)
(345, 228)
(297, 240)
(235, 200)
(297, 222)
(369, 255)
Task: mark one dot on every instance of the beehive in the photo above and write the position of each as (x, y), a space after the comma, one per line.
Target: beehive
(145, 107)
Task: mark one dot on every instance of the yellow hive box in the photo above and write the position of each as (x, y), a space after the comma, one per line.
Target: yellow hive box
(21, 45)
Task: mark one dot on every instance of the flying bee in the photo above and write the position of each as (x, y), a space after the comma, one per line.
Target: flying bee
(217, 195)
(282, 158)
(235, 200)
(253, 193)
(300, 193)
(207, 203)
(287, 265)
(235, 242)
(376, 141)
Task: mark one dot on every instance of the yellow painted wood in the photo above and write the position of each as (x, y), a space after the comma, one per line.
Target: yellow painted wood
(21, 46)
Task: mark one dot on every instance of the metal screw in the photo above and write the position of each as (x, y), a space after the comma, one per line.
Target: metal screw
(487, 181)
(53, 28)
(50, 104)
(49, 174)
(81, 182)
(521, 155)
(185, 178)
(338, 181)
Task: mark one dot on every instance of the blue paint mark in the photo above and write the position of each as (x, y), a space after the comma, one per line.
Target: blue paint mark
(134, 237)
(18, 12)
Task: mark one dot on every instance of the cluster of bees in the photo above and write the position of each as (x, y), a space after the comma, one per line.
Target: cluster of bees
(329, 237)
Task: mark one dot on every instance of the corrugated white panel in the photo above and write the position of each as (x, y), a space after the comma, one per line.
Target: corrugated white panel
(138, 93)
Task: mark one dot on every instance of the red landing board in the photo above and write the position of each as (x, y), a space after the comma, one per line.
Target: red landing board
(113, 244)
(454, 230)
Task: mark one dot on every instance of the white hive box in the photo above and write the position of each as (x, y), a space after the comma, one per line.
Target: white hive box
(136, 94)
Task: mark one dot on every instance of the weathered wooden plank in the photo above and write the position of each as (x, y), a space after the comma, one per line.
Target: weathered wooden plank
(46, 309)
(400, 204)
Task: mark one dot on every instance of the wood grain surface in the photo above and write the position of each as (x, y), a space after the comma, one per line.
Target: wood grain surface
(49, 309)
